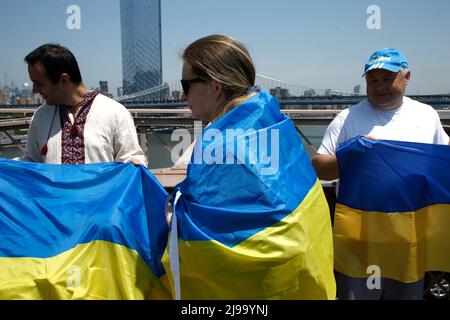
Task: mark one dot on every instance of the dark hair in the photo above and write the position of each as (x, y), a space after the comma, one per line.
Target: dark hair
(56, 60)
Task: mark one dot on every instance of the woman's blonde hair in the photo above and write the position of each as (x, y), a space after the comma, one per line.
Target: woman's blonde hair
(225, 60)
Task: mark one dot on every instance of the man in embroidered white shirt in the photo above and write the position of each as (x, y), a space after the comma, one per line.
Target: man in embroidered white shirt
(76, 125)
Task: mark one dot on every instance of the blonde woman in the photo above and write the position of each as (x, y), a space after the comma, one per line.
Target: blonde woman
(250, 220)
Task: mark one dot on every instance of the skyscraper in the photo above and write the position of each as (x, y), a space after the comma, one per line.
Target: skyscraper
(103, 87)
(141, 44)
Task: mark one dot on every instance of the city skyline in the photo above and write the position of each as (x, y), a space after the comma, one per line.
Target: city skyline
(316, 44)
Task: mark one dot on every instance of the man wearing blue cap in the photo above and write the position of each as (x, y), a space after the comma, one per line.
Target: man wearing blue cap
(385, 114)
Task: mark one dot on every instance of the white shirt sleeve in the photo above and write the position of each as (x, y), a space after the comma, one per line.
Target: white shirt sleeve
(440, 136)
(126, 145)
(330, 138)
(32, 151)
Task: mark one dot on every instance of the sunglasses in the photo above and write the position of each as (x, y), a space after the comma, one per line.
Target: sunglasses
(186, 84)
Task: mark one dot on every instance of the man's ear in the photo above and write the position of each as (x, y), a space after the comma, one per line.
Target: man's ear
(64, 79)
(407, 76)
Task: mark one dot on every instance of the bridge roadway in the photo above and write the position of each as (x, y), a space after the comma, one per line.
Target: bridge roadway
(441, 100)
(14, 123)
(149, 119)
(303, 101)
(352, 100)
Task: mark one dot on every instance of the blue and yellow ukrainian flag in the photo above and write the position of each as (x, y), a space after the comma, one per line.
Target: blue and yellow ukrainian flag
(252, 229)
(393, 209)
(93, 231)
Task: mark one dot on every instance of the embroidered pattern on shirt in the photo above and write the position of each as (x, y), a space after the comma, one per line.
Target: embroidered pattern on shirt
(72, 135)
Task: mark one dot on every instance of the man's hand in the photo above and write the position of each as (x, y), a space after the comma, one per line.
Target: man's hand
(136, 162)
(326, 166)
(369, 137)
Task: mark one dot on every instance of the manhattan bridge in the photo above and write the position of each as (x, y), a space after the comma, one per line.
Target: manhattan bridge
(290, 96)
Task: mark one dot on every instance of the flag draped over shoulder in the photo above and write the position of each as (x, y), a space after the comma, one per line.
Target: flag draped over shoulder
(393, 209)
(253, 221)
(94, 231)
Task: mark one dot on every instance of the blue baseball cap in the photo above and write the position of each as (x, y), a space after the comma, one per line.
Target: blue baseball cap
(389, 59)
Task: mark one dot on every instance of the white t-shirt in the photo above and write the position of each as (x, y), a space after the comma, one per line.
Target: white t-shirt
(109, 134)
(413, 122)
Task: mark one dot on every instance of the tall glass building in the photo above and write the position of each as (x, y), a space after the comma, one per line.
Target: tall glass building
(141, 44)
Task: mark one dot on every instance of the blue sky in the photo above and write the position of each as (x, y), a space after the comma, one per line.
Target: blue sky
(313, 43)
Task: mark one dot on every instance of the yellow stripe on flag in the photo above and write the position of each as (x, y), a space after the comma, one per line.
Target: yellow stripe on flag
(404, 245)
(96, 270)
(289, 260)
